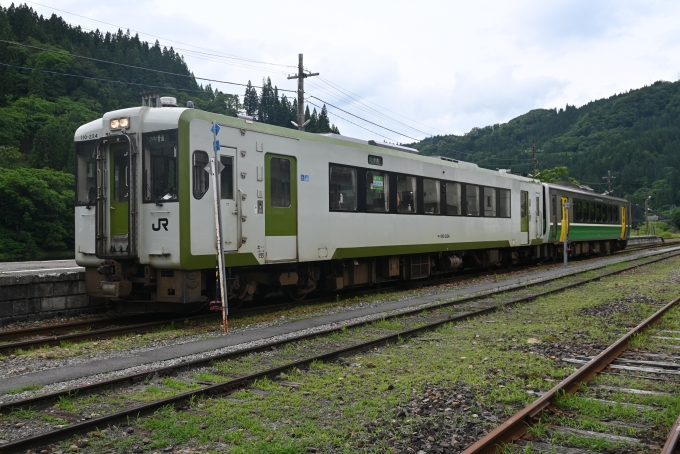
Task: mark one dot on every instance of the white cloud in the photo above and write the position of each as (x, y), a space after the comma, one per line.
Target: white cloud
(448, 64)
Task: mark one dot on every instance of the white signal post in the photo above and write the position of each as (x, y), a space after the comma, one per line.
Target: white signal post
(215, 169)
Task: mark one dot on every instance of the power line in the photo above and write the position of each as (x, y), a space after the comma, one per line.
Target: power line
(367, 121)
(132, 66)
(234, 57)
(349, 93)
(351, 122)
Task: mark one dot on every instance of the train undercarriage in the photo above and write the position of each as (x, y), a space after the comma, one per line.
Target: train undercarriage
(140, 288)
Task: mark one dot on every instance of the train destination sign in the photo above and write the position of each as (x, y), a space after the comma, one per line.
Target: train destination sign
(375, 160)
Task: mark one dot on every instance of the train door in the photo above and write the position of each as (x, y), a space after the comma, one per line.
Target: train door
(537, 215)
(280, 212)
(524, 216)
(230, 201)
(115, 220)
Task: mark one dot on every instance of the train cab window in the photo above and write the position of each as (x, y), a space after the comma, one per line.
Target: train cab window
(199, 173)
(490, 202)
(504, 199)
(86, 173)
(343, 189)
(578, 213)
(453, 202)
(472, 200)
(377, 192)
(160, 166)
(279, 181)
(431, 196)
(227, 178)
(406, 194)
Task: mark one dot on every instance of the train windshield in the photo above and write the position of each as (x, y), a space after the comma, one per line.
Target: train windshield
(160, 166)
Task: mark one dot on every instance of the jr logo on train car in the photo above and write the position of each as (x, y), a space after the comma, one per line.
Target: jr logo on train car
(162, 222)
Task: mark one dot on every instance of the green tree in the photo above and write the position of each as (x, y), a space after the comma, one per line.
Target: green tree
(675, 217)
(53, 147)
(11, 158)
(555, 175)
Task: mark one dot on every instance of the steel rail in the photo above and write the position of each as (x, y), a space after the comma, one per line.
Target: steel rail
(517, 425)
(84, 331)
(672, 445)
(240, 382)
(51, 398)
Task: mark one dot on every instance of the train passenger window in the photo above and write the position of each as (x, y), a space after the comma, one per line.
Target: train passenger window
(609, 214)
(431, 196)
(616, 214)
(504, 203)
(86, 173)
(279, 180)
(598, 213)
(121, 189)
(406, 194)
(343, 188)
(160, 166)
(593, 218)
(577, 211)
(490, 202)
(199, 174)
(472, 200)
(603, 218)
(227, 178)
(453, 199)
(555, 215)
(377, 192)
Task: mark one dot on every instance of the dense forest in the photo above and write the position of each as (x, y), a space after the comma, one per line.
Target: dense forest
(635, 135)
(55, 77)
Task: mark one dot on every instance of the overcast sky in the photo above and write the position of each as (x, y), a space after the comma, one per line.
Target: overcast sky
(440, 67)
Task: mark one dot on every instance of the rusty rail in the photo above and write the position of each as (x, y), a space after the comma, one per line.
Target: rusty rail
(672, 445)
(517, 425)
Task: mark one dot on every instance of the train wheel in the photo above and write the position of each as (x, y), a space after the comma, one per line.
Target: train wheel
(294, 293)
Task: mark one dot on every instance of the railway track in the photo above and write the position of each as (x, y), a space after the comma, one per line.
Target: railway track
(107, 328)
(615, 358)
(45, 402)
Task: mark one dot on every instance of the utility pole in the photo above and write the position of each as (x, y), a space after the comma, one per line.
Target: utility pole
(609, 179)
(533, 152)
(300, 76)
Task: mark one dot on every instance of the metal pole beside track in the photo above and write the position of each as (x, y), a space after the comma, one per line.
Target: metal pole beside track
(214, 171)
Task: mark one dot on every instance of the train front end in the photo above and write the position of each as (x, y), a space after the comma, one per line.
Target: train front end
(127, 210)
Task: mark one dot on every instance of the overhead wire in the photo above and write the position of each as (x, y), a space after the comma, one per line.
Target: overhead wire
(348, 121)
(234, 57)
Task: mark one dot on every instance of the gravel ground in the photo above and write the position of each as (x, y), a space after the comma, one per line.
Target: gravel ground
(19, 365)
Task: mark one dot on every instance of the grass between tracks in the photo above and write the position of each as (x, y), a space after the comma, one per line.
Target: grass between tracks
(350, 405)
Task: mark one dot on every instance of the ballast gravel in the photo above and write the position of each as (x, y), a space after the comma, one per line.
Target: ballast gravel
(18, 365)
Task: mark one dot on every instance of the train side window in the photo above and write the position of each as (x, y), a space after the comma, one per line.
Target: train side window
(407, 192)
(577, 211)
(555, 215)
(616, 213)
(200, 174)
(604, 214)
(160, 167)
(453, 199)
(343, 189)
(598, 213)
(227, 178)
(592, 217)
(472, 200)
(504, 203)
(377, 192)
(490, 202)
(431, 196)
(279, 182)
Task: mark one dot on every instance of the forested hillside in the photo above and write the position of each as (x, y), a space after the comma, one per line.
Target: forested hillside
(47, 90)
(635, 135)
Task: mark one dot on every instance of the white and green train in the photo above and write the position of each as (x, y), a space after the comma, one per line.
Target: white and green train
(300, 211)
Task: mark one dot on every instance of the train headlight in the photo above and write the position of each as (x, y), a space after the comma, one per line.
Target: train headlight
(115, 123)
(124, 123)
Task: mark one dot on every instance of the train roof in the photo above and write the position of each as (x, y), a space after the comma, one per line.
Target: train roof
(584, 190)
(162, 118)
